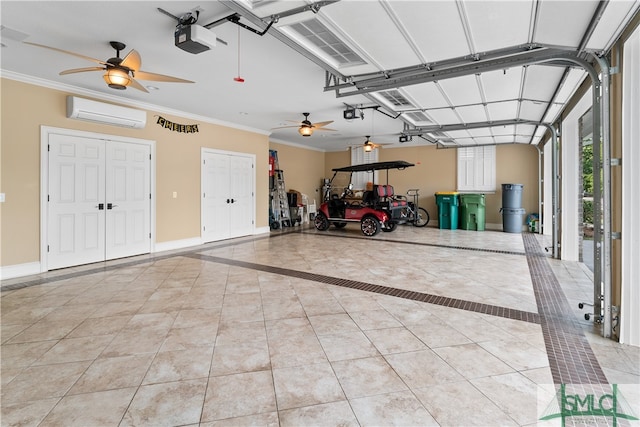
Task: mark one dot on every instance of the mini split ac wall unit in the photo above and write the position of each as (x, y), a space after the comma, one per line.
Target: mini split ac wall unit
(106, 114)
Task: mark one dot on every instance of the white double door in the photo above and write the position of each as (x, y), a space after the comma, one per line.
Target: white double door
(99, 200)
(227, 195)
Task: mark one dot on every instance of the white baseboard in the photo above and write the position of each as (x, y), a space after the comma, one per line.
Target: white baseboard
(19, 270)
(262, 230)
(177, 244)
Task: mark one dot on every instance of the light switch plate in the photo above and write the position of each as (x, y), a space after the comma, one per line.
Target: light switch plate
(1, 197)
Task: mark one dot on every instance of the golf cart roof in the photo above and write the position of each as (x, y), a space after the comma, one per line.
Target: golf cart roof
(396, 164)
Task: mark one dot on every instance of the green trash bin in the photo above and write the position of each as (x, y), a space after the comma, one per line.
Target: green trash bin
(472, 212)
(447, 202)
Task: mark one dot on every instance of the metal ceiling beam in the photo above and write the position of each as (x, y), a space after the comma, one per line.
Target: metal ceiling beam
(466, 126)
(498, 60)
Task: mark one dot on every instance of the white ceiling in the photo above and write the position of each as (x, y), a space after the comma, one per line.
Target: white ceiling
(281, 82)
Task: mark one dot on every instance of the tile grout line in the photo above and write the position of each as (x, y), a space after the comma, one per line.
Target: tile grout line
(571, 357)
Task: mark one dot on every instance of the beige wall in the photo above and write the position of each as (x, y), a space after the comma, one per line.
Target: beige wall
(303, 169)
(435, 170)
(25, 108)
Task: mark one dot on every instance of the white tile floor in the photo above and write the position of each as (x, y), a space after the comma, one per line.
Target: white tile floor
(191, 338)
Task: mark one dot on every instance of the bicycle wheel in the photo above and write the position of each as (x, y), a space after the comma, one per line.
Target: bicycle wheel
(422, 218)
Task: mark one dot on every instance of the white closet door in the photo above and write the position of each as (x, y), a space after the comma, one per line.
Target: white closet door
(128, 203)
(241, 192)
(215, 197)
(99, 205)
(76, 218)
(227, 196)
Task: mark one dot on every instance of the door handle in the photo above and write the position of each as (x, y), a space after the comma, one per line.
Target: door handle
(111, 206)
(100, 206)
(228, 201)
(232, 200)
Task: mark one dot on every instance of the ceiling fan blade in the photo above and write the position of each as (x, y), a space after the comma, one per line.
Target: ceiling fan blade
(138, 86)
(81, 70)
(285, 127)
(132, 61)
(317, 128)
(143, 75)
(320, 124)
(88, 58)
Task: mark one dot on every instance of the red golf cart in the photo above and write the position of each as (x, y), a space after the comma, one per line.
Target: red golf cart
(377, 209)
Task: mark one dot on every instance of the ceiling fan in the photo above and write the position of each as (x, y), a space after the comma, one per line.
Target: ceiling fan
(119, 72)
(306, 128)
(369, 145)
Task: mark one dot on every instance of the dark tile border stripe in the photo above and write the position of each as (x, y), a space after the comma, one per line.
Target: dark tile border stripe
(492, 310)
(571, 358)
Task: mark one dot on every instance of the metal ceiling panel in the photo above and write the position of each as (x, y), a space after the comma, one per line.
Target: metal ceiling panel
(480, 133)
(503, 130)
(505, 139)
(553, 113)
(561, 23)
(495, 24)
(387, 49)
(574, 78)
(613, 20)
(523, 129)
(463, 133)
(427, 95)
(532, 110)
(444, 116)
(485, 140)
(503, 110)
(501, 85)
(461, 90)
(541, 82)
(473, 114)
(442, 38)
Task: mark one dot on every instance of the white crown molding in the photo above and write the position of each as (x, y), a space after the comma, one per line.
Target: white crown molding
(296, 145)
(123, 101)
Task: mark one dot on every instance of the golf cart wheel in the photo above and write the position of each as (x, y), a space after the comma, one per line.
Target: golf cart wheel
(390, 226)
(422, 219)
(321, 222)
(370, 225)
(339, 224)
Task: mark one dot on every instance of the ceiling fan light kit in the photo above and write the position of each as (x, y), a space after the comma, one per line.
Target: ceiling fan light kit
(305, 130)
(117, 78)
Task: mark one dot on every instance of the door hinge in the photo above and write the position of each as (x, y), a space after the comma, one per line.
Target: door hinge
(149, 196)
(204, 228)
(47, 248)
(149, 235)
(47, 197)
(149, 156)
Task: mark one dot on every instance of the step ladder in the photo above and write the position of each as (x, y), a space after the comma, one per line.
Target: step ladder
(280, 215)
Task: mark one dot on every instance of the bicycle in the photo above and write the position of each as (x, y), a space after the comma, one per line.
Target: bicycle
(413, 213)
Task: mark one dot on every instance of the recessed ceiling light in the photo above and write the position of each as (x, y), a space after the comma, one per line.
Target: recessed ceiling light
(243, 113)
(153, 88)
